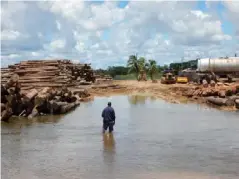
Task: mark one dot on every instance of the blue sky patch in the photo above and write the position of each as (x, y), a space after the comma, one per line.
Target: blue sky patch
(123, 4)
(201, 5)
(106, 34)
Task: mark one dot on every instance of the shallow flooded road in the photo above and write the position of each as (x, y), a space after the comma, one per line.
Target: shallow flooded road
(152, 139)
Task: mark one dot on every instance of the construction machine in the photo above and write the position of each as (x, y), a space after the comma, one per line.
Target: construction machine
(168, 77)
(182, 78)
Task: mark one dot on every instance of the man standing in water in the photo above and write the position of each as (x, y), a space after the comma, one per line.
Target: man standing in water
(108, 115)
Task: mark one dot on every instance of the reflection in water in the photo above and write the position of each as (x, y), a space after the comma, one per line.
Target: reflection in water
(137, 99)
(140, 99)
(153, 98)
(198, 144)
(109, 142)
(109, 149)
(18, 122)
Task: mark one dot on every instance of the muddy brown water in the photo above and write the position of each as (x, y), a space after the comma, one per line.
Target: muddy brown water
(152, 139)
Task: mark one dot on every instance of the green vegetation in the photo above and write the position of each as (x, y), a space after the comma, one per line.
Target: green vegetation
(142, 68)
(183, 65)
(153, 70)
(139, 68)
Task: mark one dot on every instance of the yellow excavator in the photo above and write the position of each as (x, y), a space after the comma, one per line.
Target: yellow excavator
(181, 78)
(168, 77)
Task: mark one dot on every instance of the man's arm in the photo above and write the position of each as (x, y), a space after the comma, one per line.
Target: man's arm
(103, 114)
(113, 113)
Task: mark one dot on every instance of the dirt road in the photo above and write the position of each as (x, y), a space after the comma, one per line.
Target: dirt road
(174, 93)
(157, 90)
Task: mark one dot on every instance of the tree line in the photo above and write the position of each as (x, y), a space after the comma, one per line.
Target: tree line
(138, 66)
(141, 68)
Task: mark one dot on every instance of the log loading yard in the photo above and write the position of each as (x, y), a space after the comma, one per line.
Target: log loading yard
(40, 87)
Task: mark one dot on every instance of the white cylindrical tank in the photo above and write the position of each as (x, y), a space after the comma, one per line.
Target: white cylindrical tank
(219, 64)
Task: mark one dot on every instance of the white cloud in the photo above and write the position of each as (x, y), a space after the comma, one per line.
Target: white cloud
(104, 34)
(55, 45)
(9, 35)
(200, 14)
(58, 24)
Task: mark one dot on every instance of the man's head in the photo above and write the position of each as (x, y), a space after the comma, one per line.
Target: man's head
(109, 103)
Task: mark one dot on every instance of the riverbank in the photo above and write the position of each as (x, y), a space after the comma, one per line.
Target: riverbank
(181, 140)
(173, 93)
(58, 101)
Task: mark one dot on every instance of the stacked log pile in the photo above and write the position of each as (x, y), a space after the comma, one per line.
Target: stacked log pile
(48, 73)
(221, 95)
(31, 103)
(81, 73)
(103, 79)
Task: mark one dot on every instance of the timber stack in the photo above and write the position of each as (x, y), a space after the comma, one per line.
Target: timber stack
(39, 87)
(49, 73)
(34, 102)
(216, 94)
(100, 78)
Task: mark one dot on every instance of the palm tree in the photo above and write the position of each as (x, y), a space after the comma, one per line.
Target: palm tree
(152, 69)
(133, 64)
(143, 68)
(143, 65)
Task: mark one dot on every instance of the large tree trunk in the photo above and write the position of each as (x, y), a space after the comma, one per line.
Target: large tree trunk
(237, 103)
(43, 96)
(220, 101)
(222, 94)
(6, 114)
(3, 107)
(234, 97)
(31, 94)
(34, 113)
(55, 107)
(69, 107)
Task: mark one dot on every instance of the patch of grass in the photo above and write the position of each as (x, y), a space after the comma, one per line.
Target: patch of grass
(133, 77)
(125, 77)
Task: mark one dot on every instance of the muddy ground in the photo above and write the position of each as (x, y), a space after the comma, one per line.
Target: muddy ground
(174, 93)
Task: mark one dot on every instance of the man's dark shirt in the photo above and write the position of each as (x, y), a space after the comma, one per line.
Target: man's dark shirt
(108, 114)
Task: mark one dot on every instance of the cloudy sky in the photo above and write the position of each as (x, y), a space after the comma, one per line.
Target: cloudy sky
(105, 33)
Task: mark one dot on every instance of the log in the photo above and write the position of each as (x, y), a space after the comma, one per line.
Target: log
(212, 83)
(206, 93)
(16, 105)
(82, 93)
(230, 92)
(66, 108)
(27, 106)
(57, 98)
(17, 87)
(12, 81)
(11, 91)
(222, 94)
(43, 95)
(230, 102)
(205, 83)
(85, 83)
(45, 91)
(55, 107)
(237, 89)
(43, 107)
(220, 101)
(3, 107)
(31, 94)
(6, 114)
(22, 113)
(233, 97)
(77, 97)
(34, 113)
(237, 103)
(4, 91)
